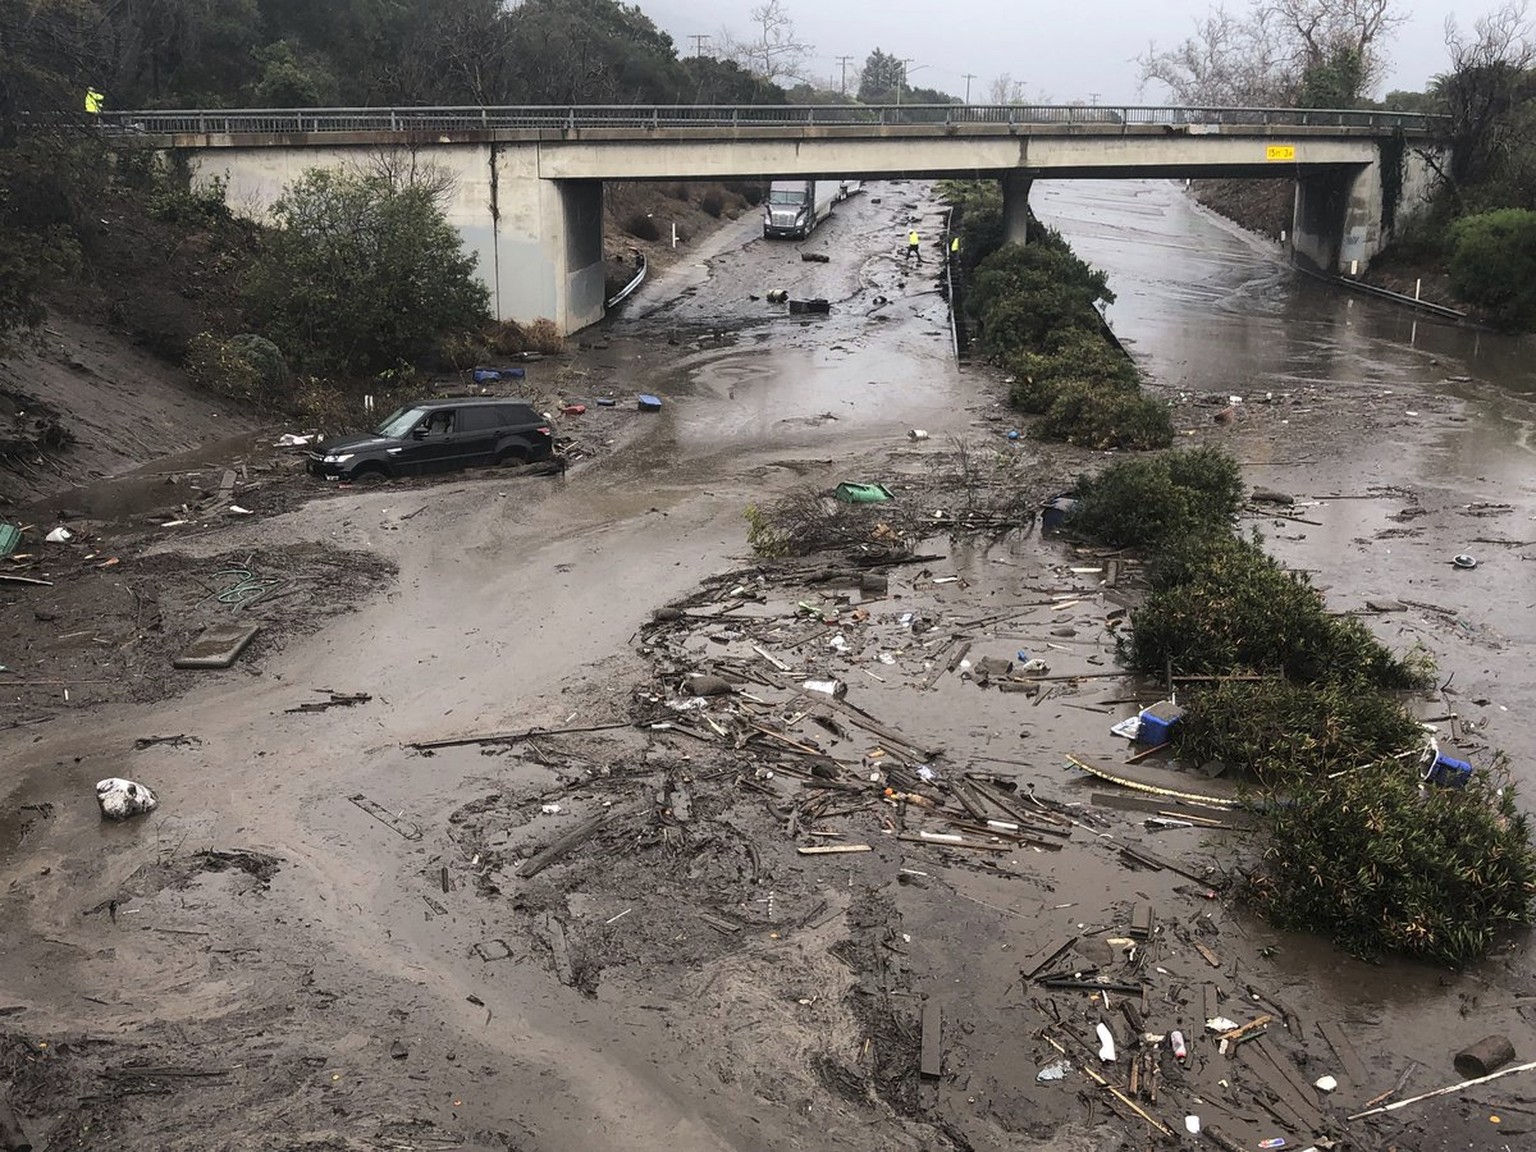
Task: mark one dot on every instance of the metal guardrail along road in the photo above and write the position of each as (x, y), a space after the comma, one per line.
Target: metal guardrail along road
(1104, 118)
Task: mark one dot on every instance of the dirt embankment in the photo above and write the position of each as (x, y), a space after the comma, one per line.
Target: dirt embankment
(1262, 206)
(638, 219)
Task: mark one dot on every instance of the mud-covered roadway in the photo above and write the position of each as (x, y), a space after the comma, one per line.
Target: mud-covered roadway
(325, 938)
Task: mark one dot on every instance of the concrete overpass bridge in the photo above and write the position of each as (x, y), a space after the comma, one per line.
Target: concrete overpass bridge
(527, 194)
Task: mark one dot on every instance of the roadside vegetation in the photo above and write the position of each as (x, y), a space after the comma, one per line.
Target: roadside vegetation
(1309, 709)
(1034, 312)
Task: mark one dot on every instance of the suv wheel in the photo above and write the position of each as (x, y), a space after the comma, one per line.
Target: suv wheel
(515, 454)
(369, 474)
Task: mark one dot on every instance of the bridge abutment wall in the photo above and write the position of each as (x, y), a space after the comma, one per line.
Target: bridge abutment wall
(537, 243)
(1344, 217)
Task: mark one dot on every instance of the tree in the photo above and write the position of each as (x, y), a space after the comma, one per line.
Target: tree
(881, 76)
(362, 273)
(1310, 52)
(774, 50)
(1490, 78)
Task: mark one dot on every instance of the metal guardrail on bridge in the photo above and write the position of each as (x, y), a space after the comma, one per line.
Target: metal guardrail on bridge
(286, 121)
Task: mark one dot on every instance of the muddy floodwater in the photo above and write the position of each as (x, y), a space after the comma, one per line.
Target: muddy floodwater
(324, 938)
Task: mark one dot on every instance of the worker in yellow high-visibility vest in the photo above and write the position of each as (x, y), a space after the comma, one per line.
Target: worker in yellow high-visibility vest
(94, 102)
(913, 248)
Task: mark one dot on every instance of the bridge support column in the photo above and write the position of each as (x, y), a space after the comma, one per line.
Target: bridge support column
(1016, 207)
(1336, 224)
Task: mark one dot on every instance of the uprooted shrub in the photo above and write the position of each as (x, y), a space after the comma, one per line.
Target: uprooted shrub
(1218, 604)
(1286, 735)
(1380, 863)
(1026, 295)
(1106, 416)
(1074, 355)
(1150, 501)
(806, 520)
(245, 367)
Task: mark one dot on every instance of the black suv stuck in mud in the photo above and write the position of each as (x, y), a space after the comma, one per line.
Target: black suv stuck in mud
(439, 436)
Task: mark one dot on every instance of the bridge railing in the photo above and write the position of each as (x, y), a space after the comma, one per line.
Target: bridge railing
(305, 121)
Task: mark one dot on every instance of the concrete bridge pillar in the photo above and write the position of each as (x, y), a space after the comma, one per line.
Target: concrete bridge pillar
(1016, 207)
(1342, 216)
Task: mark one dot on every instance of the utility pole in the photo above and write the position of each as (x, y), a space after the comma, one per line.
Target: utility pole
(1093, 98)
(969, 76)
(901, 78)
(844, 60)
(699, 40)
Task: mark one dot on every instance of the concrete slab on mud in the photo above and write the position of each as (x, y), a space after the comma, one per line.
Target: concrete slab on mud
(217, 646)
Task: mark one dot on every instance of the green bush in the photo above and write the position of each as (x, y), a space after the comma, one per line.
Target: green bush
(1104, 416)
(245, 367)
(1073, 355)
(1220, 605)
(1152, 501)
(1026, 295)
(1287, 735)
(712, 204)
(1493, 264)
(1380, 864)
(362, 273)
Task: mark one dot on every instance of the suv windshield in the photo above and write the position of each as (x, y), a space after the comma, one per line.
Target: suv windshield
(787, 196)
(398, 426)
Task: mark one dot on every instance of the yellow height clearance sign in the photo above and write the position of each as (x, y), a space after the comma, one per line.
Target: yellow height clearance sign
(1280, 152)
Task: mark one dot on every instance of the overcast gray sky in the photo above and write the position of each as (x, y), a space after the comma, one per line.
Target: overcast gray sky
(1062, 49)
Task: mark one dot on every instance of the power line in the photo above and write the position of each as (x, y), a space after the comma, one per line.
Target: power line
(969, 76)
(699, 40)
(843, 60)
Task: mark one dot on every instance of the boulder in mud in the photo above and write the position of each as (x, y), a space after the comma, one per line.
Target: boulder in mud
(120, 799)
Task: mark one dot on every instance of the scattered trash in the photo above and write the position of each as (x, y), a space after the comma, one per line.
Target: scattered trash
(815, 257)
(336, 700)
(1129, 728)
(1192, 1125)
(236, 510)
(1462, 561)
(120, 799)
(1106, 1044)
(648, 403)
(60, 535)
(606, 402)
(1273, 1142)
(1487, 1055)
(1056, 512)
(818, 306)
(917, 434)
(1054, 1071)
(292, 440)
(1158, 723)
(10, 536)
(550, 809)
(1176, 1042)
(1013, 433)
(851, 493)
(486, 375)
(1270, 496)
(397, 1050)
(1326, 1083)
(833, 688)
(1036, 667)
(217, 646)
(777, 295)
(574, 410)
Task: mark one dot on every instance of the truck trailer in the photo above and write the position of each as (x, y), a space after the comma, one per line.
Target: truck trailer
(795, 207)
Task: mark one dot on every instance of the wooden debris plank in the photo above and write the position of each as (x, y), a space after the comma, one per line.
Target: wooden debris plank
(1210, 1003)
(1344, 1051)
(1208, 956)
(833, 849)
(1048, 955)
(913, 838)
(1152, 859)
(932, 1061)
(1304, 1091)
(1258, 1059)
(564, 845)
(1141, 921)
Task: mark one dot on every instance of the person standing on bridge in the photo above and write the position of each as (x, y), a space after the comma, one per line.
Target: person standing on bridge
(913, 246)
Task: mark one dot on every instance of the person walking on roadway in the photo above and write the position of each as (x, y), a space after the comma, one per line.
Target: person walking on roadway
(913, 249)
(94, 102)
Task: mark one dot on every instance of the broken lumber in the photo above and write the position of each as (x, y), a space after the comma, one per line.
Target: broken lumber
(942, 840)
(932, 1059)
(832, 849)
(510, 737)
(1344, 1051)
(564, 845)
(12, 1138)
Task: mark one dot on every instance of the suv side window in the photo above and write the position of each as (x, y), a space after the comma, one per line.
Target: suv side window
(481, 418)
(516, 415)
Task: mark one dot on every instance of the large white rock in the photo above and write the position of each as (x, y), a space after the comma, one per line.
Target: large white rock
(120, 799)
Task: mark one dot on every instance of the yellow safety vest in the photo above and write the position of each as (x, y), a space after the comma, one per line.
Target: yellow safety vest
(954, 245)
(912, 239)
(94, 101)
